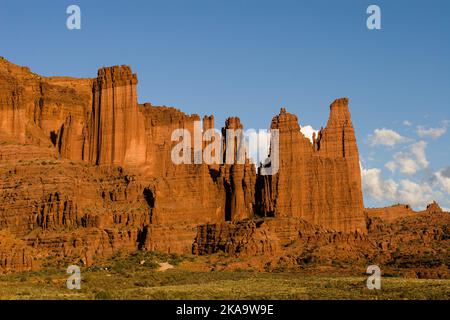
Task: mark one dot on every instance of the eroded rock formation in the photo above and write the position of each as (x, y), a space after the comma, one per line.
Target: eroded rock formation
(86, 171)
(392, 213)
(319, 182)
(115, 127)
(414, 246)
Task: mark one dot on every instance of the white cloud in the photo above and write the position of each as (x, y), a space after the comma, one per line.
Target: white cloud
(391, 165)
(418, 150)
(308, 132)
(446, 172)
(411, 161)
(433, 133)
(386, 137)
(406, 165)
(388, 191)
(407, 123)
(443, 178)
(416, 195)
(375, 187)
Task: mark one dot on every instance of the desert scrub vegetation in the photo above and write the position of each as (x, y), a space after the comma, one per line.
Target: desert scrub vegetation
(103, 284)
(136, 276)
(143, 260)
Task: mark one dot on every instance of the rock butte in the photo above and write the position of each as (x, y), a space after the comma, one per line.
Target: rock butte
(86, 171)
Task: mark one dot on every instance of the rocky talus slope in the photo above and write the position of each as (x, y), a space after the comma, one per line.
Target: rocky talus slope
(409, 245)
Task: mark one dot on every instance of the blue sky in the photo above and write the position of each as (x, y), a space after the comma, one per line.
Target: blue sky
(248, 58)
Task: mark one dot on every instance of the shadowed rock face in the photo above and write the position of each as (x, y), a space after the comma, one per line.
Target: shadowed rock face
(86, 171)
(414, 246)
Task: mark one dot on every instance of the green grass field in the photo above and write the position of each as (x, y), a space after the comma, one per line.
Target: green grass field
(178, 283)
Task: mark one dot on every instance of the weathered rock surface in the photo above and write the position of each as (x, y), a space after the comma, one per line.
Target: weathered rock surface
(115, 126)
(392, 213)
(86, 172)
(69, 209)
(413, 246)
(15, 255)
(34, 109)
(319, 182)
(389, 214)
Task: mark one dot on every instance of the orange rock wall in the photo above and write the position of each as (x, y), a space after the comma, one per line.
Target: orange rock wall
(86, 171)
(319, 182)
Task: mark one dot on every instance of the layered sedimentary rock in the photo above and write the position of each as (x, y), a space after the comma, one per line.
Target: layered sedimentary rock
(433, 208)
(15, 255)
(238, 177)
(67, 209)
(392, 213)
(86, 171)
(418, 243)
(99, 121)
(276, 237)
(116, 129)
(34, 109)
(282, 244)
(319, 182)
(414, 246)
(194, 193)
(90, 211)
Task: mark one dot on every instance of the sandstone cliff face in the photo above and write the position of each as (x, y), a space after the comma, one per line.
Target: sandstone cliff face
(320, 182)
(66, 209)
(15, 255)
(86, 171)
(179, 193)
(34, 109)
(121, 132)
(90, 211)
(191, 193)
(393, 213)
(238, 178)
(116, 129)
(414, 246)
(287, 241)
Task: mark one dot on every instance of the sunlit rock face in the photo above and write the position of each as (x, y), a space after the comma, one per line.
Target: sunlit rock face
(87, 171)
(319, 182)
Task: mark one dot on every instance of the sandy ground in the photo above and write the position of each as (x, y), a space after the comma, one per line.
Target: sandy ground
(163, 266)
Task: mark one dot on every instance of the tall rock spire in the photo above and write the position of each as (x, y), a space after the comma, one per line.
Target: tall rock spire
(116, 129)
(98, 120)
(239, 177)
(338, 138)
(320, 182)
